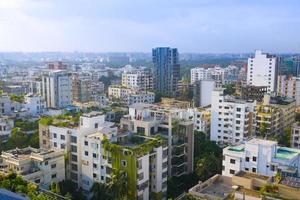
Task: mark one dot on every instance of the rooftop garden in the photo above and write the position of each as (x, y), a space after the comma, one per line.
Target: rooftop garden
(17, 98)
(64, 120)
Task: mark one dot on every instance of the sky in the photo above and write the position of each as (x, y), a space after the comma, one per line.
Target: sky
(195, 26)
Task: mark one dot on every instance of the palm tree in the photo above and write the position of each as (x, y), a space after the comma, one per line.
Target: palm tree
(100, 192)
(118, 184)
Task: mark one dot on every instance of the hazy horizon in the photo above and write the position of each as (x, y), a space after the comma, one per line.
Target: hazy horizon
(137, 26)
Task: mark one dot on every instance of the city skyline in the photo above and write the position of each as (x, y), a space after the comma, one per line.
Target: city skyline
(139, 26)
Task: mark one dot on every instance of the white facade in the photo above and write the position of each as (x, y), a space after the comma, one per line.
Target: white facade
(130, 95)
(5, 104)
(289, 87)
(203, 92)
(34, 104)
(57, 88)
(200, 74)
(6, 125)
(231, 119)
(200, 117)
(263, 157)
(40, 166)
(71, 138)
(263, 71)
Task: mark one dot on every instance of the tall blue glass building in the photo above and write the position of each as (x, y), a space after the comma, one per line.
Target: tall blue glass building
(166, 70)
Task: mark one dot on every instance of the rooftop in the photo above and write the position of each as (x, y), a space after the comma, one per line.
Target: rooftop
(286, 153)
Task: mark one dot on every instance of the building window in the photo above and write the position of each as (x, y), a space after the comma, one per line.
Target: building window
(55, 144)
(73, 149)
(247, 159)
(254, 159)
(74, 158)
(254, 170)
(124, 163)
(53, 166)
(74, 167)
(86, 143)
(232, 161)
(238, 109)
(96, 125)
(53, 176)
(94, 155)
(62, 137)
(73, 139)
(54, 135)
(94, 165)
(231, 171)
(86, 153)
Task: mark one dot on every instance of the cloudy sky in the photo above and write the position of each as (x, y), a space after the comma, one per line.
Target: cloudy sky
(203, 26)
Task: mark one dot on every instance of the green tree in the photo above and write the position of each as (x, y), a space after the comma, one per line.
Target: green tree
(100, 191)
(118, 185)
(208, 166)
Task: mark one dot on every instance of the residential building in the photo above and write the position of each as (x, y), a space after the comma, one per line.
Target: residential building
(274, 115)
(166, 70)
(250, 92)
(6, 126)
(200, 73)
(263, 157)
(57, 65)
(34, 104)
(81, 89)
(40, 166)
(203, 92)
(168, 122)
(246, 185)
(263, 71)
(232, 119)
(295, 136)
(289, 86)
(57, 88)
(130, 95)
(140, 78)
(143, 159)
(201, 118)
(63, 133)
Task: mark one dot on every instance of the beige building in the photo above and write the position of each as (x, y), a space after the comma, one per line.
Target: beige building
(274, 115)
(35, 165)
(169, 122)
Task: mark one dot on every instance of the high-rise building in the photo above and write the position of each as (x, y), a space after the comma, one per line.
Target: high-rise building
(166, 70)
(263, 71)
(58, 65)
(57, 88)
(232, 119)
(81, 89)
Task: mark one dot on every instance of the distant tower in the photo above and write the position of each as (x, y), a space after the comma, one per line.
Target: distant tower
(166, 70)
(263, 71)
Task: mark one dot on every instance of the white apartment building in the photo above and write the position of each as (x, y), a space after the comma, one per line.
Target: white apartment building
(40, 166)
(69, 136)
(200, 117)
(89, 160)
(141, 79)
(200, 73)
(263, 71)
(6, 125)
(295, 137)
(150, 167)
(34, 104)
(216, 73)
(232, 119)
(263, 157)
(130, 95)
(57, 88)
(289, 87)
